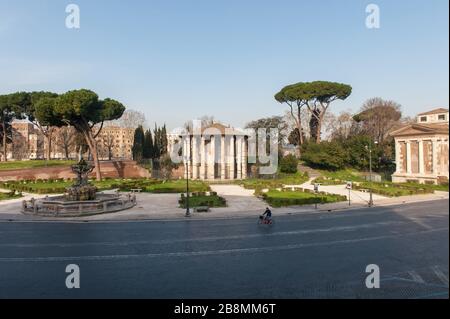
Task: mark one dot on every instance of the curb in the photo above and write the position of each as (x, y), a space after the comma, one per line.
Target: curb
(202, 218)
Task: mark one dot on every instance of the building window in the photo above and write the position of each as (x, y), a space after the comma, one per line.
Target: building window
(423, 119)
(441, 117)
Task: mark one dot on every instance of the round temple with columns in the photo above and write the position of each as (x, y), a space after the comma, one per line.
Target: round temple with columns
(216, 152)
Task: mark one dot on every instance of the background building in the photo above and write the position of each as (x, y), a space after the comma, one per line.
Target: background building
(115, 142)
(421, 149)
(28, 142)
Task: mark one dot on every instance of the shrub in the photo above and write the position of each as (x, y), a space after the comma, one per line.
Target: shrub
(326, 155)
(288, 164)
(202, 200)
(289, 201)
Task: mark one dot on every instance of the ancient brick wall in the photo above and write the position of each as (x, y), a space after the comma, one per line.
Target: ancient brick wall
(114, 169)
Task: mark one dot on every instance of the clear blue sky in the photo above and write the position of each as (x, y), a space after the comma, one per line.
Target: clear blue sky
(177, 60)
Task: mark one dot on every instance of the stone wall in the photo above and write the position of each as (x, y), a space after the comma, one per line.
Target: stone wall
(114, 169)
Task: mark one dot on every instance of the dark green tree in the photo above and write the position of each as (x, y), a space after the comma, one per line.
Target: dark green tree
(148, 145)
(294, 137)
(317, 97)
(288, 164)
(83, 110)
(157, 142)
(164, 140)
(326, 155)
(12, 106)
(358, 155)
(42, 114)
(138, 144)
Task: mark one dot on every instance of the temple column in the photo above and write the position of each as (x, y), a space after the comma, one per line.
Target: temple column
(408, 157)
(435, 154)
(194, 157)
(421, 159)
(222, 157)
(189, 154)
(244, 159)
(239, 156)
(231, 157)
(202, 158)
(398, 163)
(211, 158)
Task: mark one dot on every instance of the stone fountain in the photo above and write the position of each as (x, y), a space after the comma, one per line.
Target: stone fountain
(80, 199)
(82, 190)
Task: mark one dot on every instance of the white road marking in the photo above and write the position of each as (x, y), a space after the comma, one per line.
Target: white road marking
(416, 277)
(211, 252)
(212, 238)
(440, 274)
(419, 221)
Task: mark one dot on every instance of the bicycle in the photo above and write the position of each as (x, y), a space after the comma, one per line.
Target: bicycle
(265, 221)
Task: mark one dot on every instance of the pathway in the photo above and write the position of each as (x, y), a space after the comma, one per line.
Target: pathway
(238, 198)
(312, 173)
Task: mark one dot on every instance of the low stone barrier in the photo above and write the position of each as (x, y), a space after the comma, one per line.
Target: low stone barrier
(57, 207)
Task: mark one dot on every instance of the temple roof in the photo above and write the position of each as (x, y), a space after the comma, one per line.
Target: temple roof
(213, 129)
(222, 129)
(421, 129)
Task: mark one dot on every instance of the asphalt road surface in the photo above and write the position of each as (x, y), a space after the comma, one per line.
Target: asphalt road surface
(317, 255)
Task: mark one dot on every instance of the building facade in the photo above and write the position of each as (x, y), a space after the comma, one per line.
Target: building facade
(421, 149)
(216, 152)
(115, 142)
(28, 142)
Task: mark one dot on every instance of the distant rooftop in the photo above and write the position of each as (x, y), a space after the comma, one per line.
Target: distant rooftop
(435, 111)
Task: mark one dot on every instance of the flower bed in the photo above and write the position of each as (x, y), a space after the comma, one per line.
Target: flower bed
(196, 199)
(277, 198)
(10, 195)
(58, 186)
(258, 184)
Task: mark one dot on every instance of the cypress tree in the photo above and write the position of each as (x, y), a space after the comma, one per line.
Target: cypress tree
(138, 144)
(157, 144)
(148, 145)
(164, 141)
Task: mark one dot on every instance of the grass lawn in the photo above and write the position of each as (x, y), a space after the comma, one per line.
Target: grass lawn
(339, 177)
(384, 188)
(177, 186)
(147, 185)
(9, 195)
(277, 198)
(33, 164)
(203, 200)
(400, 189)
(282, 179)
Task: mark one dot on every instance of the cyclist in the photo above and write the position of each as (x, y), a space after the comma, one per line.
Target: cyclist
(267, 215)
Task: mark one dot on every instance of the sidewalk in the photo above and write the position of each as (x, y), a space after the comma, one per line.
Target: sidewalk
(356, 197)
(165, 207)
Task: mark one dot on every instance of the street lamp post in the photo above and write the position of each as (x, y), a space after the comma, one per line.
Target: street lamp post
(188, 213)
(370, 178)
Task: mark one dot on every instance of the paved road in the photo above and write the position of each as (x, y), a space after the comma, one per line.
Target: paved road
(319, 255)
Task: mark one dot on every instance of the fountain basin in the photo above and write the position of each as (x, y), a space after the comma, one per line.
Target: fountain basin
(59, 206)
